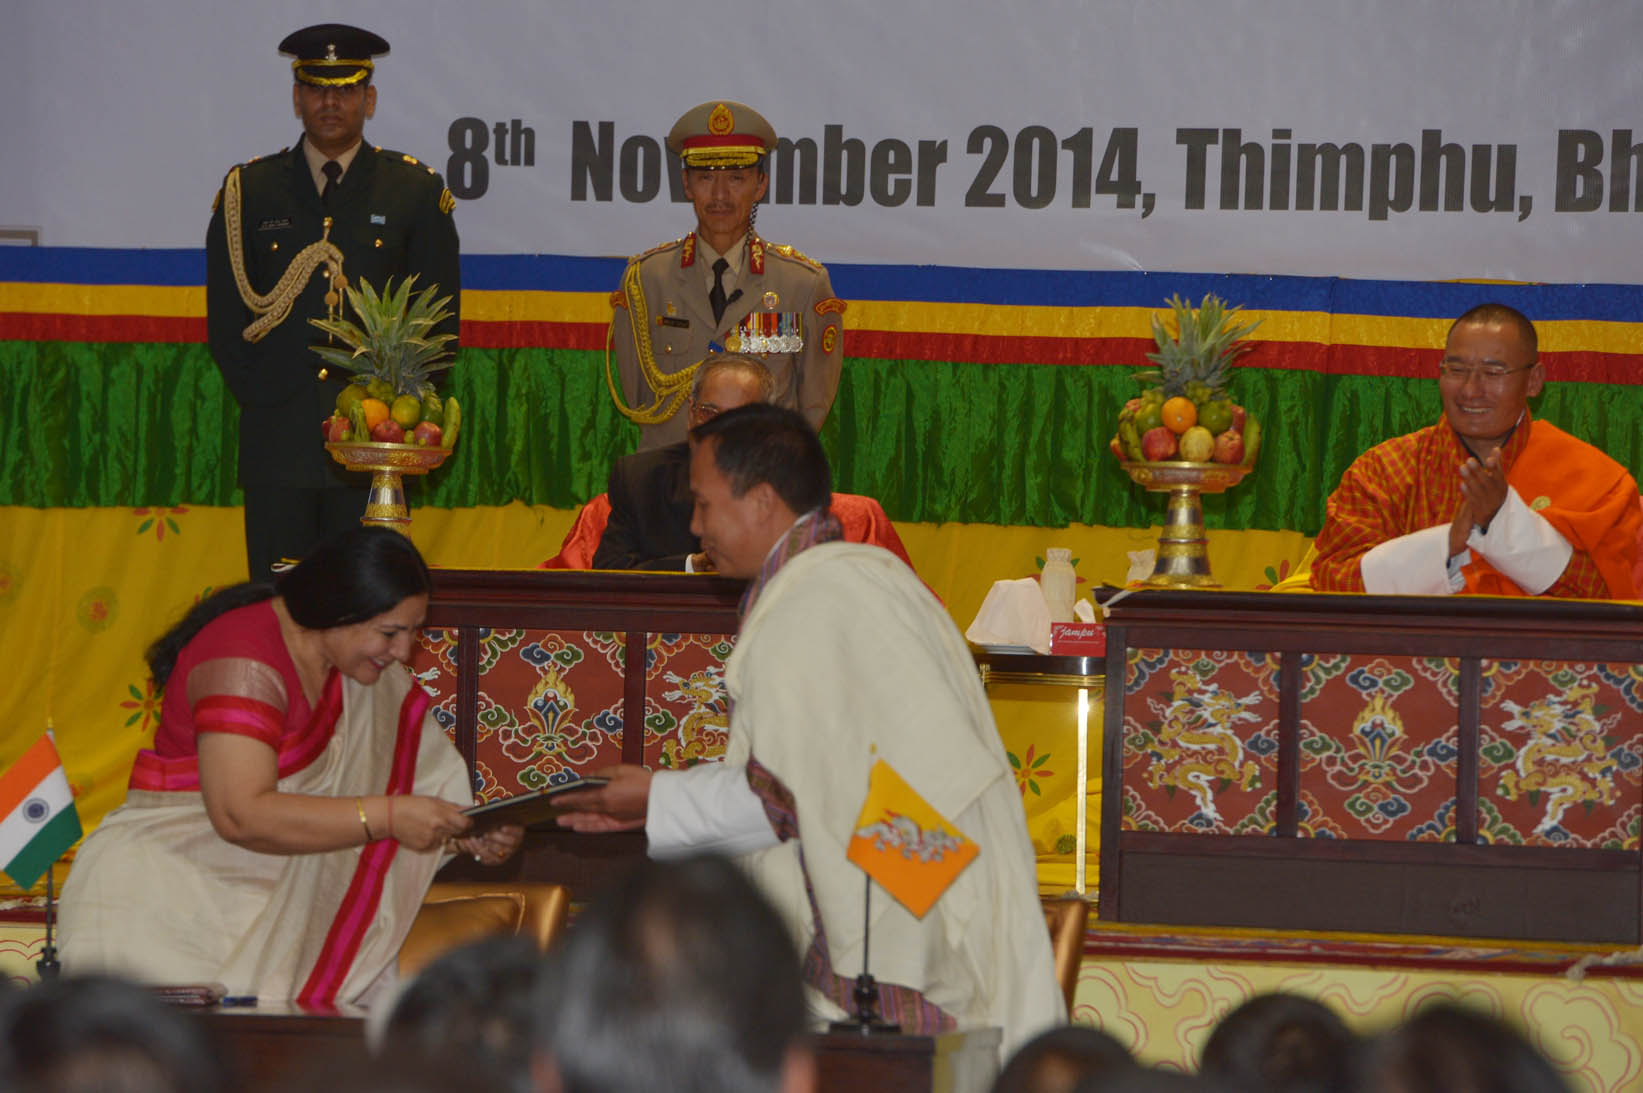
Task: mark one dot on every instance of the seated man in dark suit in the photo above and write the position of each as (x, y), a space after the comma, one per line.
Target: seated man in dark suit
(649, 525)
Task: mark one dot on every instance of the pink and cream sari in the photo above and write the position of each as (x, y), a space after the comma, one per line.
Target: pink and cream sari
(156, 894)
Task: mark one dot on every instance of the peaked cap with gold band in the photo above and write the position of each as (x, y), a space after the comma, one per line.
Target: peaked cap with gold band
(332, 54)
(721, 134)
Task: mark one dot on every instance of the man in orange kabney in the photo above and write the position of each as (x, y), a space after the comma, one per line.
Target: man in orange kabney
(1488, 500)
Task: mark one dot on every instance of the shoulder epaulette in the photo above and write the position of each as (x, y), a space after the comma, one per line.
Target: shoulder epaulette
(240, 167)
(657, 249)
(391, 156)
(788, 251)
(619, 299)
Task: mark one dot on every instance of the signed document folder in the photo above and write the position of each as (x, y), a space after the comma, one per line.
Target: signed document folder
(528, 808)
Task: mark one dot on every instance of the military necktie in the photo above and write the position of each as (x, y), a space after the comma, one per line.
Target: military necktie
(716, 297)
(332, 171)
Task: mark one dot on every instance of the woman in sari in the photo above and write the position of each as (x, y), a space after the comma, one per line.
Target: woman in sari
(281, 833)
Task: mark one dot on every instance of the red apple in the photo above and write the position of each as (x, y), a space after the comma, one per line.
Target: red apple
(427, 434)
(1229, 447)
(388, 432)
(336, 428)
(1158, 444)
(1237, 417)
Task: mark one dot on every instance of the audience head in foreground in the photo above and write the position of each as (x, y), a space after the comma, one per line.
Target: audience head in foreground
(98, 1034)
(1148, 1079)
(1448, 1048)
(474, 1003)
(354, 1072)
(1056, 1061)
(1280, 1043)
(680, 979)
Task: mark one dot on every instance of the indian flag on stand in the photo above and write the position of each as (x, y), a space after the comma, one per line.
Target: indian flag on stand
(902, 842)
(39, 821)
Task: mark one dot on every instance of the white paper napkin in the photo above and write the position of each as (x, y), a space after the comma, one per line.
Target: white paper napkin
(1142, 563)
(1014, 613)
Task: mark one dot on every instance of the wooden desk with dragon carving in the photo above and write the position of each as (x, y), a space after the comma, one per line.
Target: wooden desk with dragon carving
(543, 675)
(1468, 767)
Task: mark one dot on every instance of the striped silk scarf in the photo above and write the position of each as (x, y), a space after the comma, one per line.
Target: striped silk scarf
(815, 526)
(897, 1004)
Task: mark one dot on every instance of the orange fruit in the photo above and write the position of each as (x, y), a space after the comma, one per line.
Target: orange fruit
(1179, 414)
(376, 411)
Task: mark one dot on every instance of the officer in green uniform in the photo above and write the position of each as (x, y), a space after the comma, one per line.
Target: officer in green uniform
(722, 289)
(330, 204)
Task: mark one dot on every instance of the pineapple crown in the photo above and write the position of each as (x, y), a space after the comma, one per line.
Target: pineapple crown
(1203, 347)
(394, 339)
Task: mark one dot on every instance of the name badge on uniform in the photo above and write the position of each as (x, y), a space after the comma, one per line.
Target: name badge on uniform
(274, 224)
(771, 332)
(673, 320)
(379, 218)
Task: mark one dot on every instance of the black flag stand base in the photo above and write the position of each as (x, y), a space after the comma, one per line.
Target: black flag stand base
(867, 1021)
(47, 965)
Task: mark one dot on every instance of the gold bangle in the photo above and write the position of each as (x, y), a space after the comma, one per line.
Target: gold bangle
(359, 803)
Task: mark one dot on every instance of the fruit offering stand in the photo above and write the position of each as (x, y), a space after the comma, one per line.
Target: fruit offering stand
(1184, 435)
(1183, 560)
(388, 464)
(390, 420)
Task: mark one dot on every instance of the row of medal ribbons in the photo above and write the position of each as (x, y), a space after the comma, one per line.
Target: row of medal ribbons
(767, 332)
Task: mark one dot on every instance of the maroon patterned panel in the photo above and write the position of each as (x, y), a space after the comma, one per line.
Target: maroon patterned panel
(686, 715)
(1200, 741)
(1378, 740)
(550, 704)
(1560, 761)
(433, 663)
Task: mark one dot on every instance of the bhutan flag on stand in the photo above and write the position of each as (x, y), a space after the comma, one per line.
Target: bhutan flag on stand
(905, 844)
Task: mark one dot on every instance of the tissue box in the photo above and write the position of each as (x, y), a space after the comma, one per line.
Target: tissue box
(1078, 639)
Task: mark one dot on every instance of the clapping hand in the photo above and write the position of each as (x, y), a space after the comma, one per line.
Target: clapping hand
(1483, 492)
(1483, 486)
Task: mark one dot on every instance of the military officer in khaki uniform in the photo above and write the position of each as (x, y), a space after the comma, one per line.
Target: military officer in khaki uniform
(722, 288)
(330, 202)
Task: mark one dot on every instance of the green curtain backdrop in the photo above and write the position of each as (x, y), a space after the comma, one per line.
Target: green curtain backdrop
(91, 424)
